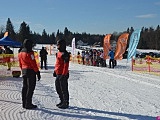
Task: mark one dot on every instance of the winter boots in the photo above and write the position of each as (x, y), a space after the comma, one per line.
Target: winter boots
(59, 104)
(31, 106)
(28, 105)
(63, 105)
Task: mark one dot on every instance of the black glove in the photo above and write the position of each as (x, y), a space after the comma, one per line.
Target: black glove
(67, 76)
(54, 74)
(38, 75)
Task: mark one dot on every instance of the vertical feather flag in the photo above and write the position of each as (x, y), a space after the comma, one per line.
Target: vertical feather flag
(106, 45)
(73, 47)
(134, 40)
(121, 46)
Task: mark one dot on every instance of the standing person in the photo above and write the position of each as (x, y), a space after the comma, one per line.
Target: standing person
(111, 59)
(29, 69)
(8, 54)
(79, 57)
(101, 59)
(83, 56)
(61, 73)
(43, 55)
(91, 57)
(87, 58)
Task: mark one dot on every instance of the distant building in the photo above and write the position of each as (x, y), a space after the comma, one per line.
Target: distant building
(80, 43)
(97, 44)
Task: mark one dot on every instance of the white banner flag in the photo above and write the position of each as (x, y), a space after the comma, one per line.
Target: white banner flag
(73, 47)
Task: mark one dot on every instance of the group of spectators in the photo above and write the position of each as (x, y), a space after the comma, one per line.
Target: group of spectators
(95, 57)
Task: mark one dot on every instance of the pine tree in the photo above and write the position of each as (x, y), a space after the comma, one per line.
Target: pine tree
(10, 29)
(24, 32)
(45, 38)
(52, 38)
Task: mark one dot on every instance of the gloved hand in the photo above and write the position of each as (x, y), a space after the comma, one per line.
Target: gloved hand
(54, 74)
(38, 75)
(67, 76)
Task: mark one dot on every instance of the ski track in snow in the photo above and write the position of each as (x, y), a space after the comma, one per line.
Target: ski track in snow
(95, 94)
(119, 92)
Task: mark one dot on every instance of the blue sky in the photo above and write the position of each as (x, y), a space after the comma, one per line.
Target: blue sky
(90, 16)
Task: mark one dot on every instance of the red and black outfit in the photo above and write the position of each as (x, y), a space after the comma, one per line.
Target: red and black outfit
(29, 69)
(61, 73)
(62, 63)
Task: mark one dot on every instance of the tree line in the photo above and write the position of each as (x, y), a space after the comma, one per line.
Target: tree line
(149, 39)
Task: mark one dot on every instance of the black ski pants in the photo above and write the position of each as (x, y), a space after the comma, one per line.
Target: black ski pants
(62, 88)
(111, 63)
(29, 83)
(43, 60)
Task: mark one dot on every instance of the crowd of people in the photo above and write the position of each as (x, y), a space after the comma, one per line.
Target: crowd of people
(95, 57)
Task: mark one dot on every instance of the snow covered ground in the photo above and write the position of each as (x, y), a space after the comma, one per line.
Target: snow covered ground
(96, 93)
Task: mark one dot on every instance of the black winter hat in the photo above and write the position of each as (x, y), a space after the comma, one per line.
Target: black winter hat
(27, 44)
(61, 45)
(60, 42)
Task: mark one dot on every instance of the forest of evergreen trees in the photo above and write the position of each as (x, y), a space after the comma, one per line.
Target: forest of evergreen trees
(150, 37)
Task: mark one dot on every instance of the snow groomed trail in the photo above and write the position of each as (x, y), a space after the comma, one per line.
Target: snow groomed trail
(96, 93)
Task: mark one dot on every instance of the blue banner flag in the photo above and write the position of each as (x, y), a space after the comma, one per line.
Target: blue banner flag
(134, 40)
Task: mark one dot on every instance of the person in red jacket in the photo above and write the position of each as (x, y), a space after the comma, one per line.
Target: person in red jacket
(29, 69)
(61, 73)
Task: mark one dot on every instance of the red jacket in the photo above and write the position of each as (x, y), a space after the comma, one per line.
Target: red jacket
(27, 61)
(62, 63)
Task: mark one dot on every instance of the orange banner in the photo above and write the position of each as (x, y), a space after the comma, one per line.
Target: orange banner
(106, 46)
(5, 34)
(121, 46)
